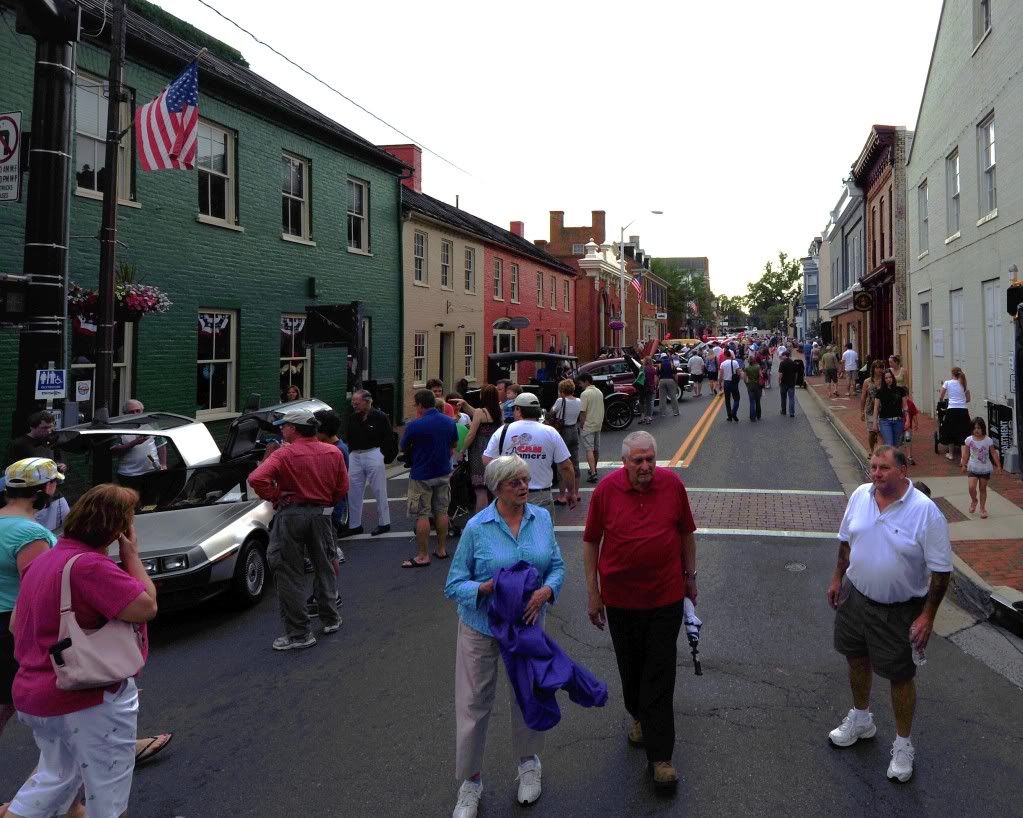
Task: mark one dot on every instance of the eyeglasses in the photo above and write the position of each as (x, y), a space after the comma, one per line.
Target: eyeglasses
(516, 482)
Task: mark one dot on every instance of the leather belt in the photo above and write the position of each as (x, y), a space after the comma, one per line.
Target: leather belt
(536, 491)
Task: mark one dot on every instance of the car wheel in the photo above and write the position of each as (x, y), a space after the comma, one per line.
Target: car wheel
(250, 572)
(618, 416)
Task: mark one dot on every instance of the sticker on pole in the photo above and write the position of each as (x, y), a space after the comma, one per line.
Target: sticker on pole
(10, 156)
(51, 384)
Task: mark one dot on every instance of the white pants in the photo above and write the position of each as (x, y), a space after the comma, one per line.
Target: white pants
(367, 468)
(94, 747)
(476, 661)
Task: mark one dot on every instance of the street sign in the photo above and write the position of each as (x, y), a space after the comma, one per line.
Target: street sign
(10, 156)
(662, 316)
(51, 384)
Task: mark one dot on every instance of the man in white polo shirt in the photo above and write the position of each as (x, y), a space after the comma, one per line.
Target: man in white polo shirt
(894, 564)
(541, 446)
(851, 365)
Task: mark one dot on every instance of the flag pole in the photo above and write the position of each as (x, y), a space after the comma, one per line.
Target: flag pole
(104, 396)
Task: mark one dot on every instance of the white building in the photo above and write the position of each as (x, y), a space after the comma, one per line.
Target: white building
(965, 201)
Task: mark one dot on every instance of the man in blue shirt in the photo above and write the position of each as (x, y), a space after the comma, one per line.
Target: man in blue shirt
(432, 437)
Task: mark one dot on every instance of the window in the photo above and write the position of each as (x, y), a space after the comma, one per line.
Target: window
(498, 279)
(358, 216)
(515, 283)
(554, 293)
(880, 225)
(539, 289)
(295, 198)
(296, 367)
(215, 164)
(925, 315)
(811, 285)
(470, 270)
(539, 342)
(419, 258)
(216, 362)
(986, 149)
(419, 359)
(83, 353)
(921, 204)
(952, 192)
(578, 249)
(90, 140)
(981, 19)
(445, 265)
(566, 296)
(470, 354)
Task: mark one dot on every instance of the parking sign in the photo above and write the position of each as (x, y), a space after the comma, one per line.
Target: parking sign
(10, 156)
(51, 384)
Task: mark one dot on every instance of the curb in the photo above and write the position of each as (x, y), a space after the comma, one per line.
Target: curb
(968, 589)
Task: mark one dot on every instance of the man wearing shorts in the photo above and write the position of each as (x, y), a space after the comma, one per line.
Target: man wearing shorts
(851, 362)
(432, 438)
(696, 367)
(829, 360)
(592, 419)
(894, 564)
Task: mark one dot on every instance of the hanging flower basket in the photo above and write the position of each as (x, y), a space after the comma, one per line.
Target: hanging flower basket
(132, 300)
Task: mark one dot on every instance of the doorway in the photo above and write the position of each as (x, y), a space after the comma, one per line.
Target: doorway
(994, 342)
(507, 340)
(447, 368)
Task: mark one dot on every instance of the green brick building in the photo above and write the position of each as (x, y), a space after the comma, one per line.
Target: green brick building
(286, 208)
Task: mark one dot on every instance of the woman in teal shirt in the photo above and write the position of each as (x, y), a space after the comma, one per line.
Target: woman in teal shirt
(29, 485)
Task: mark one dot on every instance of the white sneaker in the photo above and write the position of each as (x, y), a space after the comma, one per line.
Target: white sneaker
(468, 800)
(852, 730)
(901, 766)
(529, 781)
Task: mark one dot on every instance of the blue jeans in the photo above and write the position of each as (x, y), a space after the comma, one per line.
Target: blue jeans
(754, 392)
(790, 393)
(891, 430)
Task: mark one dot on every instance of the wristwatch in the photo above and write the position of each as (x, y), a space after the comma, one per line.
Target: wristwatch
(689, 574)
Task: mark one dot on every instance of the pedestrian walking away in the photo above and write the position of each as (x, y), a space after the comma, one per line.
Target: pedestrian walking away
(541, 447)
(485, 421)
(980, 459)
(696, 373)
(565, 415)
(955, 426)
(730, 375)
(304, 479)
(667, 389)
(894, 565)
(829, 360)
(788, 372)
(639, 552)
(591, 419)
(851, 365)
(432, 439)
(646, 386)
(369, 432)
(753, 376)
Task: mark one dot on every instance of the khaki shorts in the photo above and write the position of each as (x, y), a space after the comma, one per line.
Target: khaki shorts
(591, 441)
(880, 632)
(830, 376)
(429, 498)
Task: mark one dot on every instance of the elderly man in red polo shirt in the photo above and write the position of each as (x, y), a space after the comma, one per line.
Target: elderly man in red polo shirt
(304, 480)
(639, 539)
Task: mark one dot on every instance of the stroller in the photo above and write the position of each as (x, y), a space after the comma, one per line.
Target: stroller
(463, 499)
(940, 410)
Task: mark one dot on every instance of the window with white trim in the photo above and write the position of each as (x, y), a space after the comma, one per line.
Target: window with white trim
(921, 205)
(445, 264)
(986, 151)
(539, 289)
(515, 283)
(981, 19)
(91, 139)
(470, 270)
(216, 361)
(419, 359)
(952, 192)
(215, 163)
(554, 293)
(84, 353)
(419, 268)
(296, 363)
(498, 280)
(295, 198)
(470, 354)
(358, 215)
(566, 295)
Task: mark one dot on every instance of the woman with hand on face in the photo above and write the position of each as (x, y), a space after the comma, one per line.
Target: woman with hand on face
(508, 530)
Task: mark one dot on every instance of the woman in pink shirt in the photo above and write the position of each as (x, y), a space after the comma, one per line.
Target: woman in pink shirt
(84, 736)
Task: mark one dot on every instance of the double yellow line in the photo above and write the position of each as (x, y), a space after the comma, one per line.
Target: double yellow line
(691, 445)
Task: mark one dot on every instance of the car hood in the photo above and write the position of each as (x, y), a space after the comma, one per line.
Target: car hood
(175, 532)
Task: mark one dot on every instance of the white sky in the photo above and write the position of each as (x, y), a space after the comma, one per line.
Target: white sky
(738, 124)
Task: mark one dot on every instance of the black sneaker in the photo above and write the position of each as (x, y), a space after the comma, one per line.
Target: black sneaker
(591, 478)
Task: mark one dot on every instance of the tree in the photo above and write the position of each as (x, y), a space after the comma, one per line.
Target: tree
(732, 308)
(768, 296)
(684, 287)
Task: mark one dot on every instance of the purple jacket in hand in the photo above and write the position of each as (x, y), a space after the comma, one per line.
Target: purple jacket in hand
(536, 666)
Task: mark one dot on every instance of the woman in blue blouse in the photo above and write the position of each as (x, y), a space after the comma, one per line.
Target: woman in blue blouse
(507, 531)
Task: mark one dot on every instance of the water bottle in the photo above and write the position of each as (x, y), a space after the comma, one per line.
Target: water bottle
(919, 657)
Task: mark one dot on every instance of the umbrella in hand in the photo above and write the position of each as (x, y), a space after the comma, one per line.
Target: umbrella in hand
(693, 625)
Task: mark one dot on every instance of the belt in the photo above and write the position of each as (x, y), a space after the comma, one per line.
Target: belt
(537, 491)
(915, 600)
(568, 426)
(321, 506)
(897, 417)
(371, 449)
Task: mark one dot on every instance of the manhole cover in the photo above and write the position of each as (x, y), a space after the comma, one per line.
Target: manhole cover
(795, 567)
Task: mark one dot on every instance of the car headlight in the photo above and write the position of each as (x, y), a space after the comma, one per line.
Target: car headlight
(150, 566)
(175, 563)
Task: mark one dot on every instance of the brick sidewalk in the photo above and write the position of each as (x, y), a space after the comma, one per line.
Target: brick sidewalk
(999, 562)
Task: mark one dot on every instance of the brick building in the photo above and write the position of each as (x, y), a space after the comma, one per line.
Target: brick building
(241, 260)
(844, 237)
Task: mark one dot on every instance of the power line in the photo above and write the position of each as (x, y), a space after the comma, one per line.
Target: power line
(330, 87)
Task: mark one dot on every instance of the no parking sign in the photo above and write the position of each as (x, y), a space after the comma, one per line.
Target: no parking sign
(10, 156)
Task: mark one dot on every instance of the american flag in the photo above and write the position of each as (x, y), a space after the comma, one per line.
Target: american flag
(637, 283)
(167, 129)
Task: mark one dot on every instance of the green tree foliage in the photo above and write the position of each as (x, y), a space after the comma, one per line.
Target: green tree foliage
(768, 297)
(733, 310)
(684, 286)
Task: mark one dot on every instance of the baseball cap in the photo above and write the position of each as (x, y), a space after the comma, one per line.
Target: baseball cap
(298, 417)
(32, 471)
(527, 399)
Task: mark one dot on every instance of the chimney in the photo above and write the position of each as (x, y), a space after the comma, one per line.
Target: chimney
(410, 155)
(557, 224)
(597, 217)
(519, 229)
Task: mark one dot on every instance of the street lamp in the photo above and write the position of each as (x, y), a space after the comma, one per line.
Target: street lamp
(621, 267)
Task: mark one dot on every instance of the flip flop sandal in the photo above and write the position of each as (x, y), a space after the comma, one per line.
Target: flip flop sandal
(411, 563)
(152, 748)
(441, 556)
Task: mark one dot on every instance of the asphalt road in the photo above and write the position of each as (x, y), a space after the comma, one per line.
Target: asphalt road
(362, 724)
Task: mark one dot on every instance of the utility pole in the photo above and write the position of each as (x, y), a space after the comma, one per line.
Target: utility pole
(105, 405)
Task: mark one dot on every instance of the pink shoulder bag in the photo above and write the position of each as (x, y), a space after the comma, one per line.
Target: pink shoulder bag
(99, 658)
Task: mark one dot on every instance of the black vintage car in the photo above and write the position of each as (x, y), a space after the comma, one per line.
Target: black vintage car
(548, 369)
